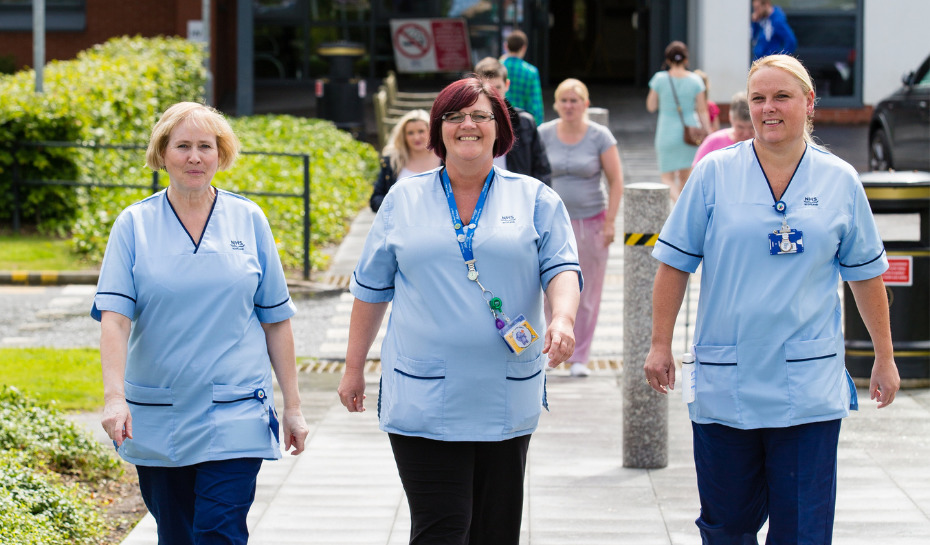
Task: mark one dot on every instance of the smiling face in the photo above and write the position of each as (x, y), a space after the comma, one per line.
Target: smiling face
(778, 106)
(416, 135)
(191, 157)
(470, 141)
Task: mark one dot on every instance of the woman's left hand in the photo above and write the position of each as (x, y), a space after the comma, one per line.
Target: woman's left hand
(885, 382)
(560, 340)
(295, 430)
(610, 233)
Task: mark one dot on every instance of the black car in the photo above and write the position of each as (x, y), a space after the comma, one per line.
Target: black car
(899, 133)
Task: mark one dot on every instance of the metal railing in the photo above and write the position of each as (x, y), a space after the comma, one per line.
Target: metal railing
(155, 186)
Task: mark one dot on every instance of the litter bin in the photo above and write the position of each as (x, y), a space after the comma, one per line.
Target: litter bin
(339, 97)
(900, 202)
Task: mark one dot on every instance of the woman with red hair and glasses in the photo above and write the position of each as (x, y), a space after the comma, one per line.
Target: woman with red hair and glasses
(464, 252)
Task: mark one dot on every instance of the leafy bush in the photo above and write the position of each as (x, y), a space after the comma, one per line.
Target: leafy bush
(341, 173)
(44, 437)
(37, 447)
(37, 509)
(112, 92)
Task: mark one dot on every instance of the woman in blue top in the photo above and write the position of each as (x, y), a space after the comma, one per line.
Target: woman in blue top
(464, 253)
(776, 222)
(194, 314)
(669, 90)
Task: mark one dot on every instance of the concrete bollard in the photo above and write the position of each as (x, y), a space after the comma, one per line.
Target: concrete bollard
(601, 116)
(645, 411)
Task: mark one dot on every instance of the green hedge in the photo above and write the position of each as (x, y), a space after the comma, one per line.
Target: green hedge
(114, 93)
(341, 173)
(37, 447)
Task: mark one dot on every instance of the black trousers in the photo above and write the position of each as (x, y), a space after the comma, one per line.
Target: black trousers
(464, 492)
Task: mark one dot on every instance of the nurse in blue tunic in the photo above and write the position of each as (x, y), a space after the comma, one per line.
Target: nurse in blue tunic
(194, 314)
(776, 222)
(464, 253)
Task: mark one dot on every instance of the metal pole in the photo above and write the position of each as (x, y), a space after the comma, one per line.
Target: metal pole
(645, 412)
(207, 44)
(38, 42)
(16, 203)
(306, 217)
(154, 182)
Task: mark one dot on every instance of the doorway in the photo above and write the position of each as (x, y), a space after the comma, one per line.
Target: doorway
(596, 41)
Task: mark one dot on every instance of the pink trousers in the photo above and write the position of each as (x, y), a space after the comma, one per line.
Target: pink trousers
(592, 255)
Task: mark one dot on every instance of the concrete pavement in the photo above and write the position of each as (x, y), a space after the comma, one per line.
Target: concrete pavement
(345, 489)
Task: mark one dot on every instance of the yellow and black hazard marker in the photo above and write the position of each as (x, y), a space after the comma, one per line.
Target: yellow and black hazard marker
(640, 239)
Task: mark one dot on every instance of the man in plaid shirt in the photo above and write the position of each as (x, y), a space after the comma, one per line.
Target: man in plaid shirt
(525, 90)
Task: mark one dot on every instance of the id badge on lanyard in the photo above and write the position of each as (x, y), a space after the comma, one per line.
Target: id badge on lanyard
(517, 333)
(785, 240)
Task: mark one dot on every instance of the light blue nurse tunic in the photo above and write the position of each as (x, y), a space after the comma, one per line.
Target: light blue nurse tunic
(198, 374)
(768, 340)
(446, 372)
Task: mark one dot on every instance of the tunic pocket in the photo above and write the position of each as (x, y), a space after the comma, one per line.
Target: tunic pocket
(525, 382)
(816, 378)
(717, 383)
(417, 397)
(240, 418)
(153, 424)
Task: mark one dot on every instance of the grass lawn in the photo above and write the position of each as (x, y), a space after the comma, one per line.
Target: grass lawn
(38, 253)
(70, 377)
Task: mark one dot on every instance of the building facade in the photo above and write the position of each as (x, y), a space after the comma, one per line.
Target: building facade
(857, 50)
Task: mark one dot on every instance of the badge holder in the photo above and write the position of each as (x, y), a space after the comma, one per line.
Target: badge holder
(785, 240)
(518, 334)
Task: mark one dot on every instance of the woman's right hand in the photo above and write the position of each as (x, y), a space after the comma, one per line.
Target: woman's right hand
(117, 420)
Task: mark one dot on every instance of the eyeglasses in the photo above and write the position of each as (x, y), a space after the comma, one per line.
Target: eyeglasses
(477, 116)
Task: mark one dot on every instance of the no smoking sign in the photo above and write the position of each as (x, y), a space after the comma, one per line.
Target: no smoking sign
(431, 45)
(412, 41)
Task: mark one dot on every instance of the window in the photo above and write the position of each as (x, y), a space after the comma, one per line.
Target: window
(60, 15)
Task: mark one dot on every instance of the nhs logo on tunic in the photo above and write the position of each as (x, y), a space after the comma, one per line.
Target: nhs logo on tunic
(237, 245)
(810, 201)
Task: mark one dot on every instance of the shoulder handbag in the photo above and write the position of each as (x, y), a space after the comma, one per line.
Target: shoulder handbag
(693, 135)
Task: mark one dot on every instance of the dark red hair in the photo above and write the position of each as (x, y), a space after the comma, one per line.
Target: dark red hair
(462, 94)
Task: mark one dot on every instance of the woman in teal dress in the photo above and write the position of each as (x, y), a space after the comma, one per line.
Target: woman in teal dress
(675, 156)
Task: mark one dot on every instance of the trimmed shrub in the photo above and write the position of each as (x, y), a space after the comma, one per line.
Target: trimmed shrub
(111, 93)
(341, 174)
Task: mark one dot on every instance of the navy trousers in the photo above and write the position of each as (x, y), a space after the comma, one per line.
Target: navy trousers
(201, 504)
(462, 493)
(787, 475)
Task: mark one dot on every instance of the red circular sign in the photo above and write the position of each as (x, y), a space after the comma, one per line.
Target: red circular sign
(412, 40)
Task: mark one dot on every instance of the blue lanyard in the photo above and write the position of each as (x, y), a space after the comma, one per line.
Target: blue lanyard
(464, 233)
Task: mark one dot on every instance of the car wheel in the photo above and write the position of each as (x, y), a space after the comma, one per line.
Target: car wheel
(879, 152)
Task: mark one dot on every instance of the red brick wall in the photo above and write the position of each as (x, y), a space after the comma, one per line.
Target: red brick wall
(106, 19)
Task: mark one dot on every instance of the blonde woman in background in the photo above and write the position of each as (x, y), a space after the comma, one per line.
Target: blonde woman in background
(581, 153)
(405, 154)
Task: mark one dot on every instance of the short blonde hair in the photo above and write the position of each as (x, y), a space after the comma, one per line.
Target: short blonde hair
(396, 149)
(793, 66)
(204, 117)
(572, 84)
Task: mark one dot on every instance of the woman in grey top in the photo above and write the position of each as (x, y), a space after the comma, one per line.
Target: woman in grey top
(582, 154)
